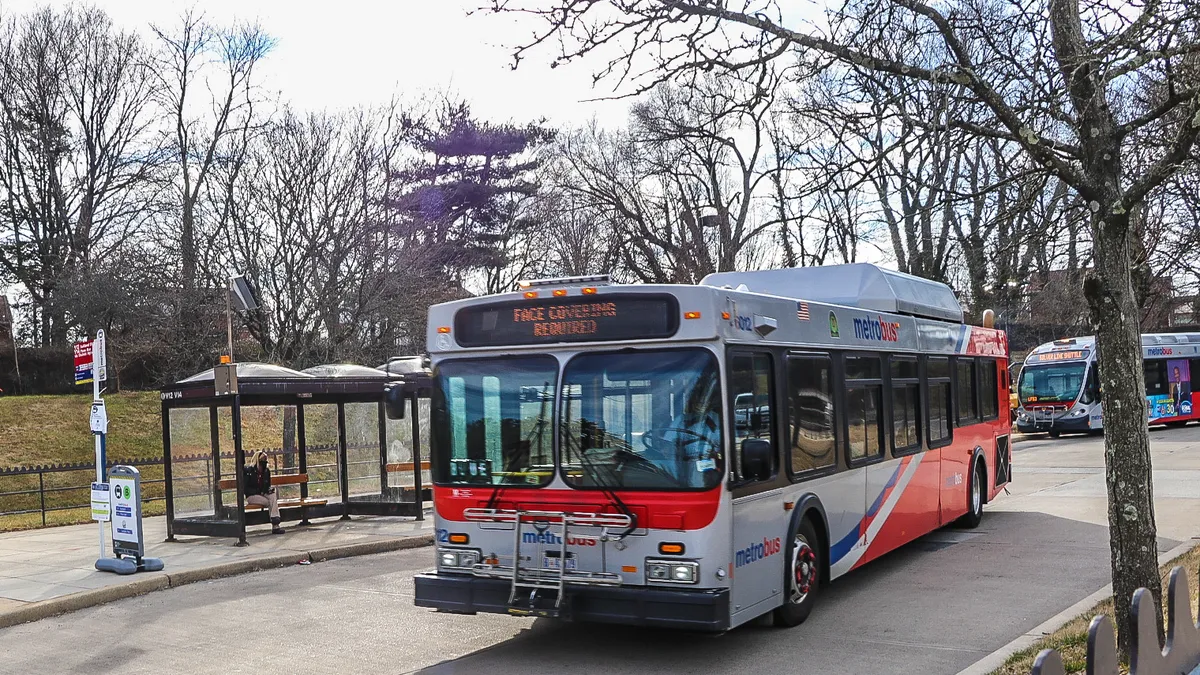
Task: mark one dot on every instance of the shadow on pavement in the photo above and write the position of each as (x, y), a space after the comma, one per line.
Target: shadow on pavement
(935, 605)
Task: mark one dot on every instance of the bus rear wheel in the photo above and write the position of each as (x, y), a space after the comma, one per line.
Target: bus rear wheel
(974, 498)
(803, 573)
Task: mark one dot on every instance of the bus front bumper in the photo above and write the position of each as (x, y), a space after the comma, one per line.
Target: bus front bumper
(701, 609)
(1064, 424)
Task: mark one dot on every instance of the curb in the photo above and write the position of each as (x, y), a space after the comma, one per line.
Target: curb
(997, 658)
(162, 581)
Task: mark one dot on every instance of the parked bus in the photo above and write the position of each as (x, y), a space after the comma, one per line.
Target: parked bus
(1059, 385)
(698, 456)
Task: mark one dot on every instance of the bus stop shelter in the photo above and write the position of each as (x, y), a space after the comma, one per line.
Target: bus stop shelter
(331, 449)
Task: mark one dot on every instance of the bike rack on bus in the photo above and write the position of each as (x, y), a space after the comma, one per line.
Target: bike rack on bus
(537, 578)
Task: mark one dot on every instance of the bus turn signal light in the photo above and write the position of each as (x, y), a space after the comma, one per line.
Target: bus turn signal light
(460, 538)
(670, 548)
(632, 569)
(443, 329)
(691, 315)
(725, 315)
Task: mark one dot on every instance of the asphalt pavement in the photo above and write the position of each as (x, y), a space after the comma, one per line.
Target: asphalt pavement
(935, 606)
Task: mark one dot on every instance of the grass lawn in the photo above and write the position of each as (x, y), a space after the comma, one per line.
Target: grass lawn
(54, 429)
(1071, 639)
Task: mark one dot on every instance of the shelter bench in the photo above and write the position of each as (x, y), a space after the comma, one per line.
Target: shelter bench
(397, 467)
(281, 479)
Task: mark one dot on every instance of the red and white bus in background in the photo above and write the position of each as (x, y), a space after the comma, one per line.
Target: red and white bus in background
(698, 456)
(1059, 385)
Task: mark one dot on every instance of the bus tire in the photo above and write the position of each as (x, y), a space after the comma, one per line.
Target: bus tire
(1054, 434)
(975, 498)
(802, 577)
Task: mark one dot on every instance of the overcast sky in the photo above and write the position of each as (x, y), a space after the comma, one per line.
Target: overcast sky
(350, 52)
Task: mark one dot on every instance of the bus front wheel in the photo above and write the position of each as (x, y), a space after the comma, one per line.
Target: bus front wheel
(803, 581)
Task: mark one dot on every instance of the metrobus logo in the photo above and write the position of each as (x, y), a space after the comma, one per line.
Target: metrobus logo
(877, 329)
(555, 540)
(1159, 351)
(756, 552)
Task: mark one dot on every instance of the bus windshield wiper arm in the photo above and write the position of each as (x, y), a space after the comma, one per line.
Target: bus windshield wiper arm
(606, 488)
(537, 429)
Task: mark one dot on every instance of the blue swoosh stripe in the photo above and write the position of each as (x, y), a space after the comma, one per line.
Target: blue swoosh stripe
(842, 547)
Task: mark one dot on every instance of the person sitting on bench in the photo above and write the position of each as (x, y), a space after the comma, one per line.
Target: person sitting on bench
(259, 490)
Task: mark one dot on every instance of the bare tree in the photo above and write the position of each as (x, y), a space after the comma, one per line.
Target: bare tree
(78, 153)
(687, 187)
(206, 86)
(1102, 79)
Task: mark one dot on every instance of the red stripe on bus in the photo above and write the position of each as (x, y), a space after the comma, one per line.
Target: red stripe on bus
(655, 510)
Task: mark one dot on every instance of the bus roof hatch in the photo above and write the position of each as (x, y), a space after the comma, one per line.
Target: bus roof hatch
(855, 285)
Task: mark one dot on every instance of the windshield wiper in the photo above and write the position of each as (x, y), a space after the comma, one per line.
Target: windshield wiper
(537, 429)
(605, 487)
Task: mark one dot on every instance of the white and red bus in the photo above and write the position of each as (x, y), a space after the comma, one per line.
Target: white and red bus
(1059, 385)
(698, 456)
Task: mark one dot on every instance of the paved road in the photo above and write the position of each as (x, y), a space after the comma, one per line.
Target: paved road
(935, 606)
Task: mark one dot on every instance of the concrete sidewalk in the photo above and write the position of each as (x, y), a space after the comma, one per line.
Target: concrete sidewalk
(49, 571)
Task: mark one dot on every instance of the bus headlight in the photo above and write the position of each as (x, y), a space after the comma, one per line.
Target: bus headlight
(1079, 412)
(672, 572)
(458, 559)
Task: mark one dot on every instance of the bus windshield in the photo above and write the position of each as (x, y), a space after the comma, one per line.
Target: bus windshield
(1051, 383)
(493, 421)
(645, 420)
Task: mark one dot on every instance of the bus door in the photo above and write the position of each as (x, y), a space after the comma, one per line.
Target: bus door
(956, 458)
(939, 413)
(758, 525)
(865, 439)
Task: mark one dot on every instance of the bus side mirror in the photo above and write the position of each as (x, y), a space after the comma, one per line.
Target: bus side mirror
(394, 401)
(756, 459)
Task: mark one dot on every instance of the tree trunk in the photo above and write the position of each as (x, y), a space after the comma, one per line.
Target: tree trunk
(187, 244)
(1132, 530)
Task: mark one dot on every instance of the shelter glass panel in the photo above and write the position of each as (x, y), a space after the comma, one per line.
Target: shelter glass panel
(193, 481)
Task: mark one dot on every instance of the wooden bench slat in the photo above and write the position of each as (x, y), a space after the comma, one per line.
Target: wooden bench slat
(290, 504)
(405, 466)
(279, 479)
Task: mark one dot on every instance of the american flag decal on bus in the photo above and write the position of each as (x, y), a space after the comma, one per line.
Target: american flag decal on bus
(802, 311)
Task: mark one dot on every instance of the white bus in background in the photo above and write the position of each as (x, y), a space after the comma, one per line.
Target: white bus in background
(1059, 385)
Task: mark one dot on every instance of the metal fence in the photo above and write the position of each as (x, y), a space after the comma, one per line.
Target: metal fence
(1182, 654)
(39, 491)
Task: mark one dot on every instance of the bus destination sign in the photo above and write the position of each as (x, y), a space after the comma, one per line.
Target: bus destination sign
(1051, 357)
(582, 319)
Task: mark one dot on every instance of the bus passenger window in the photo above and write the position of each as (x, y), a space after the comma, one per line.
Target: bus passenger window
(989, 395)
(1156, 377)
(905, 404)
(965, 377)
(1091, 387)
(937, 392)
(810, 413)
(750, 388)
(864, 398)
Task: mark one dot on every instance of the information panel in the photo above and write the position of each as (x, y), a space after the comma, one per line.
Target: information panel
(126, 485)
(581, 319)
(101, 502)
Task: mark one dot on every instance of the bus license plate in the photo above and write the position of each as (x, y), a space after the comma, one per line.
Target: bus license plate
(551, 562)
